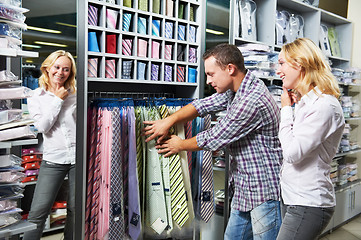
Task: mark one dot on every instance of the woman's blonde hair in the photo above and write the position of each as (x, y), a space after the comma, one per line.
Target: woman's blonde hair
(49, 62)
(315, 70)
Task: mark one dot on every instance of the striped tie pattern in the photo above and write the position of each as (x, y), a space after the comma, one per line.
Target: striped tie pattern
(155, 72)
(156, 27)
(178, 195)
(168, 72)
(192, 34)
(180, 52)
(207, 199)
(180, 74)
(127, 69)
(143, 5)
(168, 30)
(188, 130)
(142, 25)
(192, 55)
(181, 32)
(112, 16)
(127, 46)
(92, 15)
(168, 51)
(127, 18)
(116, 223)
(93, 67)
(141, 70)
(110, 68)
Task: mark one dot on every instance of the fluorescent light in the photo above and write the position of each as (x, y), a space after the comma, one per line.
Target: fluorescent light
(31, 46)
(214, 32)
(29, 61)
(51, 44)
(43, 30)
(66, 24)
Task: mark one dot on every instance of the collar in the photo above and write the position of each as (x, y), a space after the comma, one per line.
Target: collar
(246, 81)
(311, 97)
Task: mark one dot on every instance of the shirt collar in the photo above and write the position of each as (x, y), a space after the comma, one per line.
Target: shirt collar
(311, 96)
(247, 80)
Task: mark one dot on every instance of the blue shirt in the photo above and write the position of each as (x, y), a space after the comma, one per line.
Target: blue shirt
(250, 132)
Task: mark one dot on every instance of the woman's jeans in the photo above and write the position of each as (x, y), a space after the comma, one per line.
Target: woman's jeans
(303, 222)
(262, 222)
(51, 177)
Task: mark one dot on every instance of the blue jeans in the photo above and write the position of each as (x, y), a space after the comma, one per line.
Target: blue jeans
(303, 222)
(51, 177)
(262, 222)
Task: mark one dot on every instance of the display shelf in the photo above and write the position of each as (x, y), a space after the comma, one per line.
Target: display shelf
(348, 153)
(17, 228)
(9, 52)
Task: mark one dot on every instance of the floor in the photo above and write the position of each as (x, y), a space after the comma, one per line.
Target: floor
(349, 231)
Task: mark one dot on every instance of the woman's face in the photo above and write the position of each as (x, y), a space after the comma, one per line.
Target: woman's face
(60, 71)
(290, 75)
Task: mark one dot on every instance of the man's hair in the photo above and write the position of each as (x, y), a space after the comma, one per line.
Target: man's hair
(226, 54)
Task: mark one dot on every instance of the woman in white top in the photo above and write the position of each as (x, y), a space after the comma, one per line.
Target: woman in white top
(53, 107)
(310, 134)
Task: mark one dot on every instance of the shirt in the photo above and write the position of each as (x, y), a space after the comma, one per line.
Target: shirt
(310, 138)
(250, 131)
(56, 119)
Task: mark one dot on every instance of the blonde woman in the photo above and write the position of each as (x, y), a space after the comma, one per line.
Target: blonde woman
(310, 135)
(53, 107)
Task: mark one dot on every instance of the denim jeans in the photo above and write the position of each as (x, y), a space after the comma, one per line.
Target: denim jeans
(303, 222)
(262, 222)
(51, 177)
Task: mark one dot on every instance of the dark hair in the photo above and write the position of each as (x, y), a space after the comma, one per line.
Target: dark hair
(225, 54)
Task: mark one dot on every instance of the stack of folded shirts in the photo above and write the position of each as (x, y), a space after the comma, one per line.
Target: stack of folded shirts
(31, 161)
(58, 213)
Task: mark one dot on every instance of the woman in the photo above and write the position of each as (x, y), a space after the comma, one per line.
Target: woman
(310, 135)
(53, 107)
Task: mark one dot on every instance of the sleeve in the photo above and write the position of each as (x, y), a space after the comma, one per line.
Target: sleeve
(44, 114)
(214, 103)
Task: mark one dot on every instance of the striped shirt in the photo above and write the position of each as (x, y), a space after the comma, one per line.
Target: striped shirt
(249, 131)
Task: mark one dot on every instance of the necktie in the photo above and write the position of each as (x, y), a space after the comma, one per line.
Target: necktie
(142, 25)
(169, 8)
(125, 162)
(127, 3)
(127, 69)
(181, 10)
(192, 55)
(141, 70)
(139, 149)
(142, 47)
(192, 34)
(169, 30)
(111, 43)
(110, 68)
(93, 67)
(92, 15)
(127, 46)
(181, 32)
(155, 49)
(192, 75)
(155, 72)
(133, 197)
(112, 16)
(93, 42)
(180, 74)
(188, 130)
(168, 51)
(116, 224)
(168, 73)
(180, 52)
(191, 13)
(207, 198)
(156, 6)
(143, 5)
(156, 27)
(127, 18)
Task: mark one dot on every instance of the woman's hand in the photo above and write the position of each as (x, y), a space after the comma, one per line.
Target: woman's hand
(170, 146)
(61, 92)
(288, 98)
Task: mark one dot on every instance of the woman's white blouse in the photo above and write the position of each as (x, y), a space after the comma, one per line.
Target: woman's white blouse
(56, 119)
(310, 138)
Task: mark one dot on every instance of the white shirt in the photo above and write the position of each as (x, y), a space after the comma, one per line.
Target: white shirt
(309, 141)
(56, 119)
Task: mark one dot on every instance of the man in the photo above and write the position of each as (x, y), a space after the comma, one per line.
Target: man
(249, 131)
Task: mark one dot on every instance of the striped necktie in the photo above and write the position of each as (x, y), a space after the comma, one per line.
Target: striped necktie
(168, 51)
(142, 25)
(110, 68)
(127, 17)
(156, 27)
(181, 32)
(207, 198)
(127, 46)
(169, 30)
(93, 67)
(92, 15)
(168, 73)
(180, 74)
(155, 72)
(112, 16)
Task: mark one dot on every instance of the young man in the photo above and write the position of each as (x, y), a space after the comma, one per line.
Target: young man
(249, 131)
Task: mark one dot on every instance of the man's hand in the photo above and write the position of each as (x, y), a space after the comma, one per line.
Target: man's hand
(158, 128)
(170, 146)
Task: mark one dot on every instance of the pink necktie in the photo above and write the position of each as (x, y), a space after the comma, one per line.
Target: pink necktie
(110, 68)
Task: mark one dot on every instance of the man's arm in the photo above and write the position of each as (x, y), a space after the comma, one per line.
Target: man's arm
(161, 127)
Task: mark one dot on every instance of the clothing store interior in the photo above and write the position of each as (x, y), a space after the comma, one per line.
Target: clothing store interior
(148, 80)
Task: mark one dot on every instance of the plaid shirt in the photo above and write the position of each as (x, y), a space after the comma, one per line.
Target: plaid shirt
(250, 132)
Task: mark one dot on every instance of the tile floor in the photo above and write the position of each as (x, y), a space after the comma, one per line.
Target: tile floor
(349, 231)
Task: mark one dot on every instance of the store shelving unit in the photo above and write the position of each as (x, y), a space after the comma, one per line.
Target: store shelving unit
(186, 14)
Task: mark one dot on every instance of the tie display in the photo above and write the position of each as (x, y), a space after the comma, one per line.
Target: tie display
(127, 18)
(192, 75)
(143, 5)
(141, 70)
(127, 69)
(155, 49)
(168, 73)
(142, 47)
(156, 27)
(168, 30)
(111, 43)
(93, 67)
(168, 51)
(92, 15)
(112, 18)
(142, 25)
(110, 68)
(127, 3)
(93, 42)
(180, 52)
(207, 197)
(192, 34)
(169, 8)
(180, 73)
(192, 55)
(181, 32)
(127, 46)
(156, 6)
(155, 72)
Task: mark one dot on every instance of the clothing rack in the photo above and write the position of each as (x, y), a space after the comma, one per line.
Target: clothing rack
(135, 95)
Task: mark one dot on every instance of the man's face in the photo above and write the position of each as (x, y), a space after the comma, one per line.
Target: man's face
(219, 79)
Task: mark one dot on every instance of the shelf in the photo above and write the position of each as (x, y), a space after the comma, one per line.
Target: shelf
(9, 52)
(348, 153)
(218, 168)
(53, 229)
(14, 143)
(353, 119)
(17, 228)
(347, 186)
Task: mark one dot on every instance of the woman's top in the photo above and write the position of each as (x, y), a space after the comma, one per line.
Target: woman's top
(310, 138)
(56, 119)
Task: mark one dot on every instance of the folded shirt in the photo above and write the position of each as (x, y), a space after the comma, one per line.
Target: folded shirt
(17, 132)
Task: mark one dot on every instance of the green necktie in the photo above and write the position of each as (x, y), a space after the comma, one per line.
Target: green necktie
(143, 5)
(127, 3)
(156, 6)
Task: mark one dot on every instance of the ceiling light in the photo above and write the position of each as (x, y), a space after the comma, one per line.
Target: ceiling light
(43, 30)
(66, 24)
(31, 46)
(51, 44)
(214, 32)
(29, 61)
